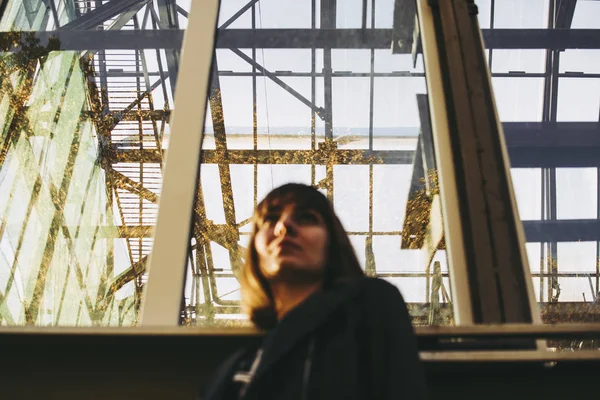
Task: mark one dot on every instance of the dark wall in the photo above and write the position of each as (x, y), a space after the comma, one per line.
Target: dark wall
(177, 367)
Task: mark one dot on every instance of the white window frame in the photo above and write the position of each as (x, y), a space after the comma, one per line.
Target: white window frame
(161, 304)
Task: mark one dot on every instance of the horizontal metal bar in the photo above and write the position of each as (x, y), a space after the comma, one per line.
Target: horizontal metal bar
(554, 157)
(512, 330)
(552, 39)
(552, 134)
(555, 39)
(557, 144)
(353, 157)
(98, 40)
(530, 145)
(585, 230)
(105, 12)
(511, 356)
(535, 231)
(471, 331)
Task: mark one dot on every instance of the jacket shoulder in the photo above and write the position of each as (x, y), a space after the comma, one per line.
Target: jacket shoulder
(379, 289)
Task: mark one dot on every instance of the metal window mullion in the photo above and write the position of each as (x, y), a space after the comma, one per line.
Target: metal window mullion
(166, 272)
(455, 245)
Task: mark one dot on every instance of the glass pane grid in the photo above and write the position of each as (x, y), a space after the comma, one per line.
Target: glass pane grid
(82, 135)
(549, 100)
(346, 121)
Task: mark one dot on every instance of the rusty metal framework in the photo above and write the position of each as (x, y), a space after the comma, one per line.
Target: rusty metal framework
(127, 107)
(128, 51)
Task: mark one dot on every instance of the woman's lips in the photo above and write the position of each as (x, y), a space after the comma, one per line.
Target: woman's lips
(288, 245)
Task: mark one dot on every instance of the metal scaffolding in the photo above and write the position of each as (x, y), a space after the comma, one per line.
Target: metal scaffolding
(129, 53)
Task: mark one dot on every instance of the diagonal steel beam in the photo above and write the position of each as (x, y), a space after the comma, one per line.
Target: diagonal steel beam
(3, 4)
(181, 11)
(126, 276)
(123, 182)
(28, 11)
(52, 8)
(319, 110)
(564, 14)
(238, 14)
(121, 115)
(104, 13)
(218, 119)
(168, 20)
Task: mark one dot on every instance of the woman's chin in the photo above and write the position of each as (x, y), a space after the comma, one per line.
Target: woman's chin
(294, 271)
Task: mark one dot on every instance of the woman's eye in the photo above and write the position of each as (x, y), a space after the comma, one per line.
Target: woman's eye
(271, 218)
(307, 218)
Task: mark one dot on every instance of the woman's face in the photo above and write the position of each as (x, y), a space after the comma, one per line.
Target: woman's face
(291, 243)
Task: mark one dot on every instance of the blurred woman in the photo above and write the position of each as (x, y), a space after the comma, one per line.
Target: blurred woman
(331, 333)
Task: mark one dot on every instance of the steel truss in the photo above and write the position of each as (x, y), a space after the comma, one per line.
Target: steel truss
(131, 130)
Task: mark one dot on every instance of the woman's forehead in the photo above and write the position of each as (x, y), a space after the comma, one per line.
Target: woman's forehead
(289, 201)
(289, 206)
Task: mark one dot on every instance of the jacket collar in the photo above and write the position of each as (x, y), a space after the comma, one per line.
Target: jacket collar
(301, 321)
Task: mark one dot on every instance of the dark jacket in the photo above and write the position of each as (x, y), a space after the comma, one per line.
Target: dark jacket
(352, 341)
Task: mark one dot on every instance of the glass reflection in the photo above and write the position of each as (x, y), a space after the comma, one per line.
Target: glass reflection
(82, 138)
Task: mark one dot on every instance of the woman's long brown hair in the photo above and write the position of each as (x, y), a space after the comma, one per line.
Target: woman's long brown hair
(341, 264)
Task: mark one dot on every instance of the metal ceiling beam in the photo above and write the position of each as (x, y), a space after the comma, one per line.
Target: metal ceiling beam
(279, 157)
(305, 38)
(557, 39)
(103, 13)
(580, 230)
(552, 134)
(554, 39)
(530, 145)
(554, 157)
(553, 144)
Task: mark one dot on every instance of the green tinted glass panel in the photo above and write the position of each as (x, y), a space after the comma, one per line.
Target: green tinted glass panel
(85, 98)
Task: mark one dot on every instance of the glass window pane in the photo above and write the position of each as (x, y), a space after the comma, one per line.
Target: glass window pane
(579, 60)
(519, 60)
(578, 99)
(527, 185)
(550, 113)
(485, 13)
(344, 120)
(519, 99)
(521, 14)
(586, 15)
(576, 193)
(82, 139)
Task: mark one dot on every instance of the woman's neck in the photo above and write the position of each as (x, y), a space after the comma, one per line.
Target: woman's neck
(288, 296)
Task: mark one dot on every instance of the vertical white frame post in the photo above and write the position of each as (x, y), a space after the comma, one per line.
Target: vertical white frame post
(455, 244)
(166, 271)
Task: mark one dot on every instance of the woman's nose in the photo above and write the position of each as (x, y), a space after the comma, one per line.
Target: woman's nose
(285, 225)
